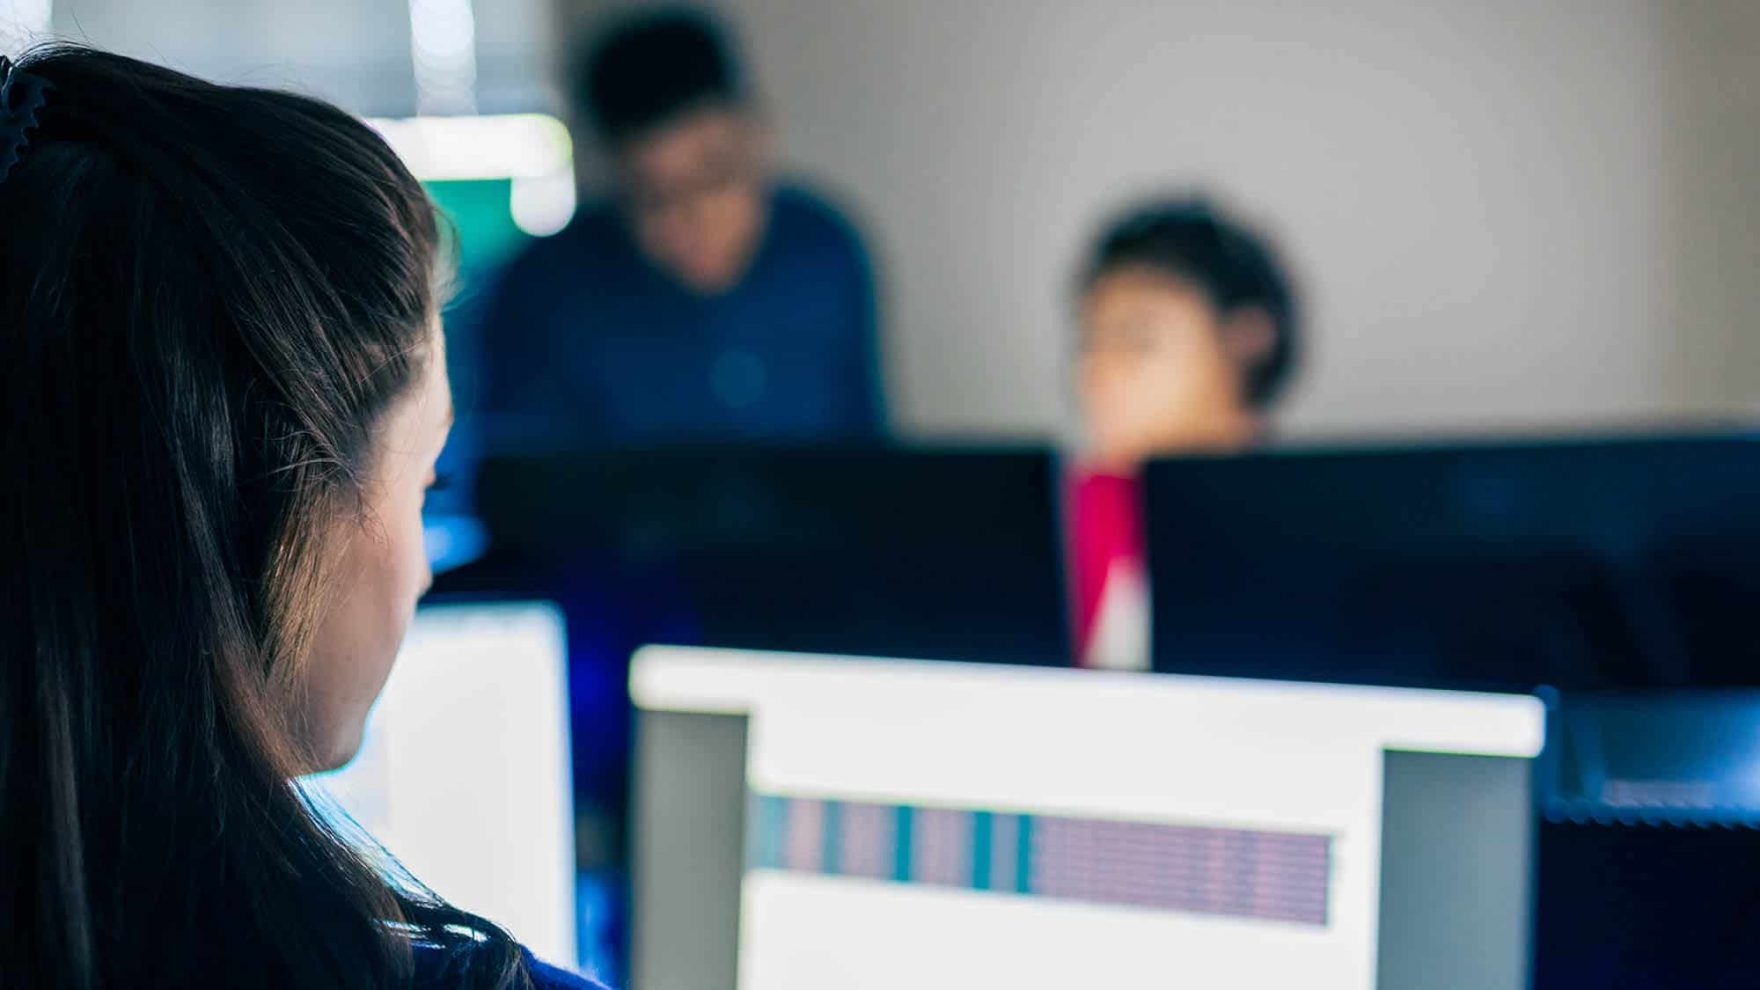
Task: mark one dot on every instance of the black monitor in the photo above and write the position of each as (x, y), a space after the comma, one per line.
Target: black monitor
(940, 553)
(1590, 563)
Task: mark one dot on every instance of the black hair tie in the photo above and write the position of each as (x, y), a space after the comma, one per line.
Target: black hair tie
(21, 96)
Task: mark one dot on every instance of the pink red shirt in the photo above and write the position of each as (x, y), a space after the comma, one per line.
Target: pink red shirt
(1108, 568)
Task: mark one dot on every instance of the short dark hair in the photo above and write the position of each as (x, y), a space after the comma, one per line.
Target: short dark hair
(1232, 264)
(650, 68)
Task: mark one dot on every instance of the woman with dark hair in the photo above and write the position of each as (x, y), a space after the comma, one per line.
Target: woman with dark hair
(222, 391)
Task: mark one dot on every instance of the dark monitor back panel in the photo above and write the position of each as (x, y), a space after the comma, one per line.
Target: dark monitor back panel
(1580, 564)
(943, 554)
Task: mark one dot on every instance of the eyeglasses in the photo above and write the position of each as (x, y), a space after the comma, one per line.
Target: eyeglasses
(716, 175)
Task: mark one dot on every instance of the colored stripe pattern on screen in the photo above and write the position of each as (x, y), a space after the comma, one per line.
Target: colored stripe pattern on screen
(1270, 876)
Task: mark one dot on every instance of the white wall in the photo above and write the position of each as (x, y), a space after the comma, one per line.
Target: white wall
(1713, 83)
(355, 52)
(1499, 209)
(1506, 213)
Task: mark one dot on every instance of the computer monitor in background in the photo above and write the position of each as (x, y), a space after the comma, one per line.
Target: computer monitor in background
(808, 822)
(1572, 564)
(937, 553)
(463, 774)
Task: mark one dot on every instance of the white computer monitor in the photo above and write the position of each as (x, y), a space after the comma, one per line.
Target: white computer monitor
(807, 822)
(464, 772)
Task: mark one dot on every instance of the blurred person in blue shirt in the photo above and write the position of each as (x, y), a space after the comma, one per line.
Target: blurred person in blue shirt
(704, 300)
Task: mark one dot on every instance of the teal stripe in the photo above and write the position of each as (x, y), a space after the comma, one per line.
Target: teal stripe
(901, 865)
(781, 824)
(1003, 829)
(755, 831)
(981, 850)
(832, 838)
(769, 830)
(1023, 855)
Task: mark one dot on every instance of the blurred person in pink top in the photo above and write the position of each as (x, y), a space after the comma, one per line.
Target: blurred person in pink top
(1188, 336)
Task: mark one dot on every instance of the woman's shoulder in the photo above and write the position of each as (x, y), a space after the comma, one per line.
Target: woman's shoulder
(548, 977)
(450, 968)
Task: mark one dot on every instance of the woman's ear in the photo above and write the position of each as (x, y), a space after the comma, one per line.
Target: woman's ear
(1248, 336)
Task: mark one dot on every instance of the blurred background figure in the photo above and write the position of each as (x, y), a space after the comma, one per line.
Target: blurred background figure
(706, 299)
(1188, 335)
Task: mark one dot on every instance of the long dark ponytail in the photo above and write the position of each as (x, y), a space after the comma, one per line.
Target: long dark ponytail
(208, 295)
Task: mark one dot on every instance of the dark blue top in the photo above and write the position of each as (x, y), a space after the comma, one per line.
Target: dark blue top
(436, 969)
(548, 977)
(584, 340)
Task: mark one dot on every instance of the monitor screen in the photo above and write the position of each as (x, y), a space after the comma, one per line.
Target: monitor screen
(810, 822)
(1585, 564)
(463, 773)
(942, 553)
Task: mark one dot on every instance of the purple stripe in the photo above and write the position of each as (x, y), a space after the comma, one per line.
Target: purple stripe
(1264, 875)
(868, 841)
(805, 848)
(941, 847)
